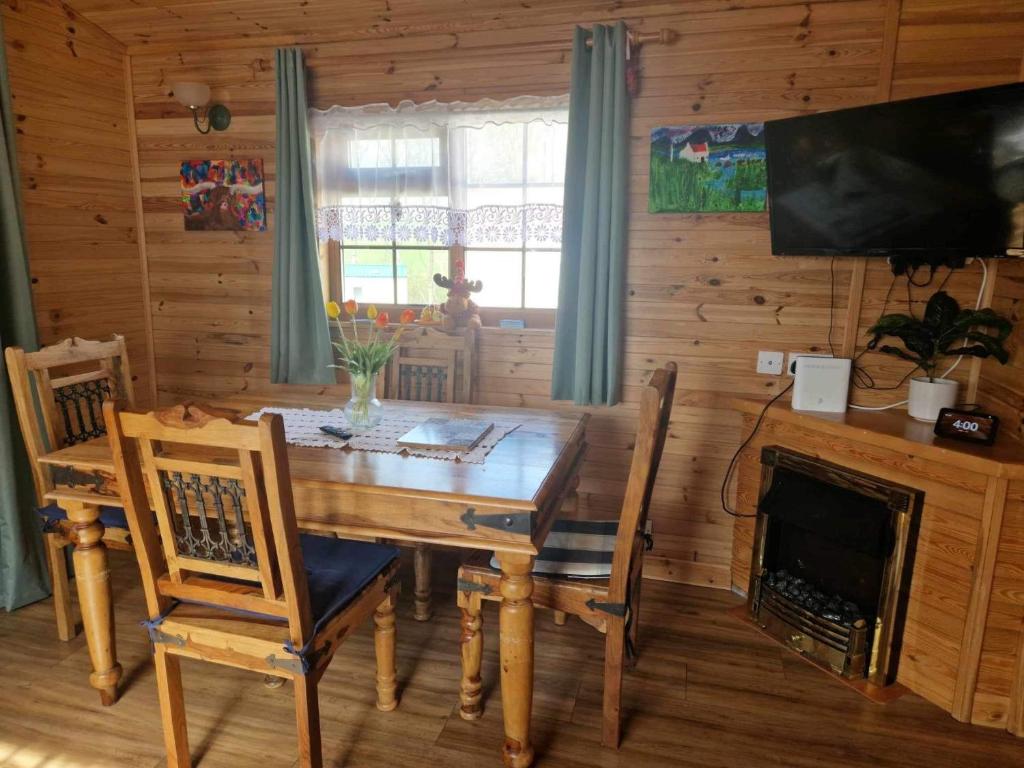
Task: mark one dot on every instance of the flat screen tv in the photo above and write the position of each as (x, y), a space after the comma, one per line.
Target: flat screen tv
(940, 175)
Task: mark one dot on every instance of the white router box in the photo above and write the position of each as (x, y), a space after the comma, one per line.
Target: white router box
(822, 384)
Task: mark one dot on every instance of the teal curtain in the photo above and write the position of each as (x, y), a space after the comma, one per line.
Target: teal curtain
(591, 290)
(300, 343)
(22, 573)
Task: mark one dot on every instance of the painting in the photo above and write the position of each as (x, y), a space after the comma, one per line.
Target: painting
(223, 195)
(708, 169)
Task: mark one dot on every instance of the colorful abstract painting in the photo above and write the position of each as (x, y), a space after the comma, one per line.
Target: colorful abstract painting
(223, 194)
(708, 168)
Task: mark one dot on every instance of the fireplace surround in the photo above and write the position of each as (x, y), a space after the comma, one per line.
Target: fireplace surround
(831, 563)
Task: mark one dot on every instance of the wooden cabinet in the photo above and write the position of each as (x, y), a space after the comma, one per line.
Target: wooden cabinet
(963, 641)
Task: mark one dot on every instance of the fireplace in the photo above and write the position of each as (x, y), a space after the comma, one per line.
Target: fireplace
(832, 559)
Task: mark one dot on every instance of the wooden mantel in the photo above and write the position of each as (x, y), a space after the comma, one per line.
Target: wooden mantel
(963, 644)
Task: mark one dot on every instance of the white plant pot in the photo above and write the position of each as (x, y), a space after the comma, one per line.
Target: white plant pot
(927, 398)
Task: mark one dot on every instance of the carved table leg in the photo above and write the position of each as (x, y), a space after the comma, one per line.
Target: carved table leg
(384, 647)
(421, 572)
(516, 651)
(92, 574)
(472, 642)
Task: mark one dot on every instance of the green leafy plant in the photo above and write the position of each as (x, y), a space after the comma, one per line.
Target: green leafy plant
(944, 331)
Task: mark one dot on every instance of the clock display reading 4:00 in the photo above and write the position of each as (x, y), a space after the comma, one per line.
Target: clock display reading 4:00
(966, 426)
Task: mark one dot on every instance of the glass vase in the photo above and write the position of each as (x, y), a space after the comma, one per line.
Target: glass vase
(363, 410)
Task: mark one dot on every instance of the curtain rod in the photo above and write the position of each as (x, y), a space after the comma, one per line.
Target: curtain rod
(662, 36)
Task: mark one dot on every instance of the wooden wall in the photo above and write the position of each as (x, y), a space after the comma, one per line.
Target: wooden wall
(67, 80)
(703, 290)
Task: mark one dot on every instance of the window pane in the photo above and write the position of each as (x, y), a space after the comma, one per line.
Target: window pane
(494, 154)
(545, 152)
(478, 196)
(502, 276)
(553, 195)
(417, 153)
(370, 153)
(416, 270)
(542, 279)
(368, 275)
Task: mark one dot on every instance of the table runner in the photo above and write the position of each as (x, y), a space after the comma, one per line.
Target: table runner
(302, 427)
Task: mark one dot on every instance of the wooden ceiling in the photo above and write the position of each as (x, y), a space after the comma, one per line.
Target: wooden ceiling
(151, 25)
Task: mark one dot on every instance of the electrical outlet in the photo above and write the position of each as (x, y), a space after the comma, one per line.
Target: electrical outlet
(791, 360)
(770, 362)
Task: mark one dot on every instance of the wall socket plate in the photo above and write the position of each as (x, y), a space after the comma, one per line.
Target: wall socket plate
(792, 356)
(770, 362)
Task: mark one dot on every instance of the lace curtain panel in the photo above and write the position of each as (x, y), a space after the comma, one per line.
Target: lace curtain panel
(481, 174)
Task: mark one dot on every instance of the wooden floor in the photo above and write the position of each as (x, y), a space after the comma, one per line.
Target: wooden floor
(708, 691)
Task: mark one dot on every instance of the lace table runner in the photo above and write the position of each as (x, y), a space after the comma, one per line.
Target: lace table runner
(302, 427)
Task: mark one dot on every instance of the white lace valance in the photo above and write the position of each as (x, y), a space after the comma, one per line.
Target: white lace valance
(496, 226)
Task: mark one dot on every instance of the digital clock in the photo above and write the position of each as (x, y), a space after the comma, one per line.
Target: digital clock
(971, 426)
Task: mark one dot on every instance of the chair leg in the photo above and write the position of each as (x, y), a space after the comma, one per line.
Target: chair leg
(614, 653)
(421, 571)
(55, 559)
(633, 646)
(307, 722)
(172, 707)
(384, 645)
(472, 642)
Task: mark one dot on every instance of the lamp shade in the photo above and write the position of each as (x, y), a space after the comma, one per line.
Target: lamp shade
(191, 94)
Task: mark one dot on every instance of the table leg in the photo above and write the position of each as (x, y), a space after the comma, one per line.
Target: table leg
(92, 575)
(516, 651)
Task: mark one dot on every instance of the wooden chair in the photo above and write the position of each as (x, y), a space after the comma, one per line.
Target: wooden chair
(611, 604)
(229, 579)
(430, 365)
(59, 393)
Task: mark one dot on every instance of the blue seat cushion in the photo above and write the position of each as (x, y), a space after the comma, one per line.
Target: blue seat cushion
(111, 517)
(338, 570)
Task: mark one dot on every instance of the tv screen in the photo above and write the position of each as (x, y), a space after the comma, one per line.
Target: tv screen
(941, 175)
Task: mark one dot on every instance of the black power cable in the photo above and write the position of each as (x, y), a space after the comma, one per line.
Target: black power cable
(735, 456)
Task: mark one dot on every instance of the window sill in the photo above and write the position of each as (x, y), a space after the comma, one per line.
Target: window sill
(534, 319)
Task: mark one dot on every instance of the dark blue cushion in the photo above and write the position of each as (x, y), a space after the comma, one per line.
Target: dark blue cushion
(111, 517)
(338, 569)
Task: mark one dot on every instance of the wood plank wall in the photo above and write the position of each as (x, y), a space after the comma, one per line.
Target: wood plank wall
(67, 80)
(703, 290)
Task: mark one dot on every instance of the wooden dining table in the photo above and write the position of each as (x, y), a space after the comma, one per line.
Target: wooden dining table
(505, 505)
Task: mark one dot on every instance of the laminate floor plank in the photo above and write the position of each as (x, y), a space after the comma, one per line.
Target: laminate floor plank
(708, 692)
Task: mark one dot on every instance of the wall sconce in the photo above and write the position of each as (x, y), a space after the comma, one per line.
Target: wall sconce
(196, 96)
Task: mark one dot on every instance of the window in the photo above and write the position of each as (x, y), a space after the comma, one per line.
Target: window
(412, 191)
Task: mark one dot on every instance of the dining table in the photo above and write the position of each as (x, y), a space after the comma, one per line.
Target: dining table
(505, 504)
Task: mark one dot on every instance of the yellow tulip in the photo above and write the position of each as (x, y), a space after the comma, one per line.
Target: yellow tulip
(371, 312)
(333, 310)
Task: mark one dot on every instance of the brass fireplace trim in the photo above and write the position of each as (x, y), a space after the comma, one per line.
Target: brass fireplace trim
(904, 504)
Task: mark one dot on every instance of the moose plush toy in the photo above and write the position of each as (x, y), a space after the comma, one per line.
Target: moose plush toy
(459, 311)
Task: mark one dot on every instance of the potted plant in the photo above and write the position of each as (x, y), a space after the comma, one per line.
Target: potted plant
(944, 331)
(364, 359)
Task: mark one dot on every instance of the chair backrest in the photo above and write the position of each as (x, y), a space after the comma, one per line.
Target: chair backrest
(59, 393)
(652, 429)
(433, 366)
(224, 510)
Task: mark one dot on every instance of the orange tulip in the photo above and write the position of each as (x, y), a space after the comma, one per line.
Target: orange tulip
(382, 320)
(351, 307)
(408, 316)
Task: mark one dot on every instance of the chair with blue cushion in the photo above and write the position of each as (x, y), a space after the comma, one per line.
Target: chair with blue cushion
(227, 576)
(590, 569)
(58, 394)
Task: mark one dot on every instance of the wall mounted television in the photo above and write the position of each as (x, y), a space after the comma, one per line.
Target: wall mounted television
(938, 178)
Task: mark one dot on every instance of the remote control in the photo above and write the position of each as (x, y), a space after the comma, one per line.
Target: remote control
(336, 432)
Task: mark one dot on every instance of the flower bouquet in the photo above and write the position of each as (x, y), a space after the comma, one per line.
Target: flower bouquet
(365, 358)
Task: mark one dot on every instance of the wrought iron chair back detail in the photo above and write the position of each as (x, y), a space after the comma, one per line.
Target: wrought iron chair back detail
(223, 536)
(433, 366)
(81, 409)
(423, 383)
